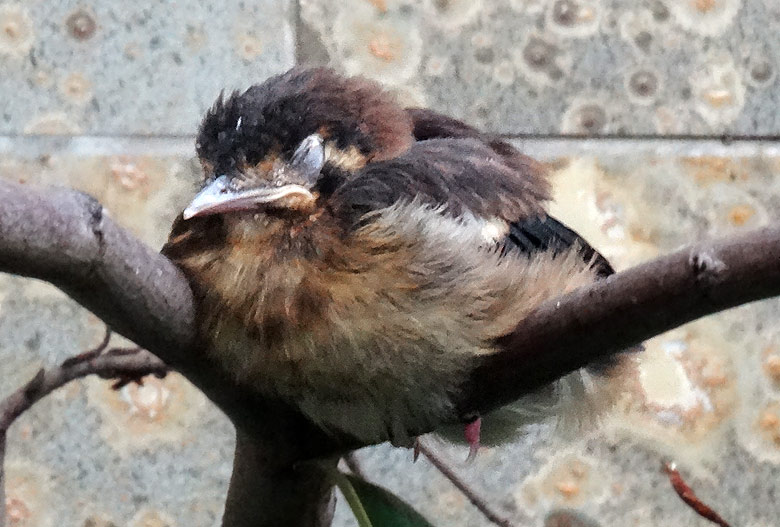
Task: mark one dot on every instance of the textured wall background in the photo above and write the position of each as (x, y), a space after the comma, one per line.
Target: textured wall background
(105, 96)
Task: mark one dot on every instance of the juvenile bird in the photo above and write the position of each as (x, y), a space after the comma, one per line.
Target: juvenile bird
(352, 257)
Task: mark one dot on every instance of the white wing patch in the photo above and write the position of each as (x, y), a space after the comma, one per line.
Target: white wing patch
(494, 230)
(440, 224)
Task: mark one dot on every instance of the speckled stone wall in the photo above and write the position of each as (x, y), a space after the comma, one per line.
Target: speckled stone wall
(132, 68)
(571, 66)
(121, 86)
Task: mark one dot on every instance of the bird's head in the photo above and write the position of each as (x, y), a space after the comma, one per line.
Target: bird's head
(284, 144)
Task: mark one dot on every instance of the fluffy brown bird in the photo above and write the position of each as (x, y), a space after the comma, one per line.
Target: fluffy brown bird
(352, 257)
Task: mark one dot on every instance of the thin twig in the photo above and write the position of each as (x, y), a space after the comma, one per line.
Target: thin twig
(2, 480)
(118, 363)
(91, 354)
(354, 465)
(689, 497)
(107, 366)
(473, 495)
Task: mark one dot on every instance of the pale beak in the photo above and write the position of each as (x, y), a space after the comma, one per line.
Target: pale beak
(218, 198)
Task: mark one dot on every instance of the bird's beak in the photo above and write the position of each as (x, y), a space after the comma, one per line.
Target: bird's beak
(218, 198)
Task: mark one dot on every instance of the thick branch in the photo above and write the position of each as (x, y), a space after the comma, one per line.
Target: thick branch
(66, 237)
(626, 309)
(299, 494)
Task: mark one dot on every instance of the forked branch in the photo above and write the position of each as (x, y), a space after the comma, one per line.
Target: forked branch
(123, 364)
(64, 237)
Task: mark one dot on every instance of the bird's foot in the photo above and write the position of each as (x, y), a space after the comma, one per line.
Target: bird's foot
(472, 432)
(416, 448)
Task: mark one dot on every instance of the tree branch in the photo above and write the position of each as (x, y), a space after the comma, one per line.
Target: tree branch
(2, 481)
(297, 494)
(65, 237)
(688, 496)
(624, 310)
(124, 364)
(471, 494)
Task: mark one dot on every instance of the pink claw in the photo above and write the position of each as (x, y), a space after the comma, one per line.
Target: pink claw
(416, 450)
(472, 432)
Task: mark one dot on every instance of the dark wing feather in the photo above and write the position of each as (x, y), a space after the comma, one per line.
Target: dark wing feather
(433, 125)
(459, 175)
(544, 233)
(527, 234)
(428, 124)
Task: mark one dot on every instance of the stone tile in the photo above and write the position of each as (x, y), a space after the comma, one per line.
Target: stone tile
(124, 68)
(705, 67)
(706, 395)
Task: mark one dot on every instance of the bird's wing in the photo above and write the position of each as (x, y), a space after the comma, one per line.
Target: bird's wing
(428, 124)
(458, 176)
(529, 233)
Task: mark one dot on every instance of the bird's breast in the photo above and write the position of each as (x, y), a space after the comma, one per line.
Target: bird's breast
(372, 333)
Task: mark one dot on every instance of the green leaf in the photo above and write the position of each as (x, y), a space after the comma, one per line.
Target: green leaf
(374, 506)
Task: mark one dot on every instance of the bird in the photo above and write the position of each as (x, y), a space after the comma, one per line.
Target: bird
(353, 258)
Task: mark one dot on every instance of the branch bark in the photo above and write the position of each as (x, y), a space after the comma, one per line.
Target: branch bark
(626, 309)
(65, 237)
(302, 491)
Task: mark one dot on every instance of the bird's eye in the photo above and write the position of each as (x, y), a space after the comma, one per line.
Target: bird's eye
(309, 158)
